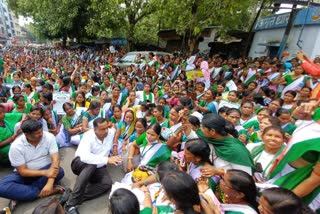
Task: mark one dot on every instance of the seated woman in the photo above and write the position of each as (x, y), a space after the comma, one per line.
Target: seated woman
(175, 118)
(36, 113)
(140, 128)
(182, 191)
(247, 114)
(298, 168)
(124, 201)
(305, 92)
(21, 106)
(253, 124)
(226, 152)
(51, 118)
(281, 201)
(265, 122)
(15, 90)
(238, 192)
(152, 151)
(196, 155)
(72, 127)
(208, 105)
(284, 116)
(94, 94)
(288, 100)
(131, 101)
(232, 100)
(116, 113)
(158, 116)
(164, 92)
(274, 105)
(46, 100)
(103, 97)
(194, 122)
(163, 102)
(7, 136)
(233, 115)
(80, 100)
(124, 129)
(293, 81)
(89, 115)
(265, 153)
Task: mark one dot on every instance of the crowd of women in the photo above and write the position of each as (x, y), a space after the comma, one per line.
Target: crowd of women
(241, 138)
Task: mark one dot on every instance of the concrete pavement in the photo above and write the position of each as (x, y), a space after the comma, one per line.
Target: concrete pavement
(97, 206)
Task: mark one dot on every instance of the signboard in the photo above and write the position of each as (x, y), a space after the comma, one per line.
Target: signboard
(309, 16)
(191, 75)
(275, 21)
(60, 98)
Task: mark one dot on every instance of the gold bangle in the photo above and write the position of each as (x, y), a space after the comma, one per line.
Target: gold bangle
(130, 157)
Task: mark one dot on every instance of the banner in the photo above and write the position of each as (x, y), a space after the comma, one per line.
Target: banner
(191, 75)
(60, 98)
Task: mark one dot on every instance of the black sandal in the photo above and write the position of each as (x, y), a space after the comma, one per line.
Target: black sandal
(65, 196)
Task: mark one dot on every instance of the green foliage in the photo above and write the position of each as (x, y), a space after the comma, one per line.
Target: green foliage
(138, 20)
(55, 19)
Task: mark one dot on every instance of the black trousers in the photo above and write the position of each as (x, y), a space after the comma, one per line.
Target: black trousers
(91, 182)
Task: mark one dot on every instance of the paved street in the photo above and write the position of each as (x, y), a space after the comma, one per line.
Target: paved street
(97, 206)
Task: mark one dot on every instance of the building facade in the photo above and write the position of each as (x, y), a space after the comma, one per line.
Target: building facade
(304, 35)
(9, 25)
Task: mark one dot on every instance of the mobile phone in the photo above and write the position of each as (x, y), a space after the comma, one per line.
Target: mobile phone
(107, 100)
(259, 167)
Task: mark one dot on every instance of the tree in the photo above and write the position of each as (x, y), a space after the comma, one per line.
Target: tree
(120, 17)
(191, 17)
(56, 19)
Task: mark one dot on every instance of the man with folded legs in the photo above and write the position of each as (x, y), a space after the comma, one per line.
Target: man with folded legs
(35, 156)
(89, 164)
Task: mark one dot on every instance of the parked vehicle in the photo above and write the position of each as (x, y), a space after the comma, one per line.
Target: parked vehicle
(130, 57)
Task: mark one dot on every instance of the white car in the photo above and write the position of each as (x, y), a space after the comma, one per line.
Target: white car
(130, 57)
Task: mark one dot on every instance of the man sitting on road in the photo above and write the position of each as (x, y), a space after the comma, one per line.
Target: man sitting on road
(35, 156)
(90, 162)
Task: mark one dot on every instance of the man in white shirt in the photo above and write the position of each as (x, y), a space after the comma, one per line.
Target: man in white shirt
(35, 156)
(90, 162)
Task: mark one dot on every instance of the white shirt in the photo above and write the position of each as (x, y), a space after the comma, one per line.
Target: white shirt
(22, 152)
(92, 151)
(265, 158)
(139, 95)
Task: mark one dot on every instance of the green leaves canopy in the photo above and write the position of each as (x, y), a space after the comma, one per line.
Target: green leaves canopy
(138, 20)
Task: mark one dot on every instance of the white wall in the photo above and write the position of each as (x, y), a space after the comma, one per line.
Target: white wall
(203, 46)
(310, 38)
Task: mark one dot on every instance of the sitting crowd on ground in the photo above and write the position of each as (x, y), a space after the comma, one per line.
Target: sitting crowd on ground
(193, 134)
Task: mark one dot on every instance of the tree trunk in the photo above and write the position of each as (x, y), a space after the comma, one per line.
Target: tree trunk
(64, 41)
(132, 24)
(193, 39)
